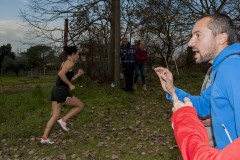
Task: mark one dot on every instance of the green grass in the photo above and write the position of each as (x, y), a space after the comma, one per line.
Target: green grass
(113, 125)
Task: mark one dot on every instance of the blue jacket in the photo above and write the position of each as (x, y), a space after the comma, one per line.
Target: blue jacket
(222, 98)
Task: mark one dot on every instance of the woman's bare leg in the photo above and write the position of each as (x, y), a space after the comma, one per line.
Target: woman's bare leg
(77, 107)
(56, 111)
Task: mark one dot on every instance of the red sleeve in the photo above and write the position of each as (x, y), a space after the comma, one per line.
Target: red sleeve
(192, 138)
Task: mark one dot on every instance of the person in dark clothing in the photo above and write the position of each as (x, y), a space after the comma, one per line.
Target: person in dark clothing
(127, 55)
(61, 94)
(140, 58)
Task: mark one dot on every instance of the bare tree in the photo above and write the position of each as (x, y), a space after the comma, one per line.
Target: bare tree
(162, 24)
(165, 25)
(89, 25)
(202, 7)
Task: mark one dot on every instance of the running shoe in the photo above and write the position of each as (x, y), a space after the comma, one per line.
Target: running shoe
(63, 125)
(46, 141)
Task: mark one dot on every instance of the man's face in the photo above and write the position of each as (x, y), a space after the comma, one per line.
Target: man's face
(203, 42)
(125, 42)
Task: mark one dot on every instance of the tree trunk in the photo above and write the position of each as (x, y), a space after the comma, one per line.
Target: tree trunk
(117, 43)
(111, 44)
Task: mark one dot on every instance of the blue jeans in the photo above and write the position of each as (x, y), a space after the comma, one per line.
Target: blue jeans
(141, 68)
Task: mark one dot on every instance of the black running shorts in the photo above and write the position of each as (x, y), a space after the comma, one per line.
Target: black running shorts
(60, 94)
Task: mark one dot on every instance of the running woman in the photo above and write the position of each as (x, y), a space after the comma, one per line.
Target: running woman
(61, 94)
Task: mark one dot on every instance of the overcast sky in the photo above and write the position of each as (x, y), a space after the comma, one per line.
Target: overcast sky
(11, 30)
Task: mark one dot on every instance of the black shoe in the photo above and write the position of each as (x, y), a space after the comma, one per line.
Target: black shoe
(128, 90)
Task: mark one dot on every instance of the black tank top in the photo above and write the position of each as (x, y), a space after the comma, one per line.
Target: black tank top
(69, 76)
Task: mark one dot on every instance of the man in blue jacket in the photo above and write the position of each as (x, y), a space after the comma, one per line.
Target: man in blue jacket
(214, 40)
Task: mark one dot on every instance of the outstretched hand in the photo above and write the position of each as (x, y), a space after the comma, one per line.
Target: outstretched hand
(178, 104)
(166, 79)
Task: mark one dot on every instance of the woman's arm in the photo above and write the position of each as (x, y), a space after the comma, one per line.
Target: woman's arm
(80, 73)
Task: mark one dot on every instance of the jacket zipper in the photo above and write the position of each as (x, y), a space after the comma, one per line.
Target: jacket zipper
(226, 131)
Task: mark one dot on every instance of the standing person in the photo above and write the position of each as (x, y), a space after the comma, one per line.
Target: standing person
(61, 93)
(127, 55)
(214, 40)
(140, 58)
(192, 137)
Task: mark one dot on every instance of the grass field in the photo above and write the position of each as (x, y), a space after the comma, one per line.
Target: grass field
(113, 125)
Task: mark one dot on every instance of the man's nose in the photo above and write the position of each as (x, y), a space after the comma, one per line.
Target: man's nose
(191, 42)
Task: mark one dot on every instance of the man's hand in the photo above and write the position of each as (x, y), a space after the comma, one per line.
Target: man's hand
(166, 79)
(178, 104)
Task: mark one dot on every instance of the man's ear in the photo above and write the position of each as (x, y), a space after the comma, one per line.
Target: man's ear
(222, 38)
